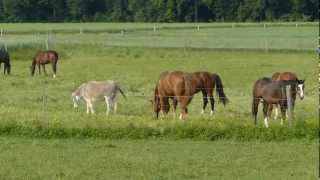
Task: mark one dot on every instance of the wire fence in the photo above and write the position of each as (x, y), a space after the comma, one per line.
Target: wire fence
(232, 36)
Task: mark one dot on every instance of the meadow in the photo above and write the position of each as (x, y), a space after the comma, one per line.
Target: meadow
(39, 110)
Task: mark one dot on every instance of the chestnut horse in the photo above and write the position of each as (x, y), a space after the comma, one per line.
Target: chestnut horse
(300, 88)
(45, 57)
(176, 86)
(271, 92)
(206, 83)
(5, 59)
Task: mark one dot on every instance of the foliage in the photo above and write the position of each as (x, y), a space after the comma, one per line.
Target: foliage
(158, 10)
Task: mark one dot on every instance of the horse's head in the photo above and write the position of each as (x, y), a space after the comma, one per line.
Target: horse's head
(300, 88)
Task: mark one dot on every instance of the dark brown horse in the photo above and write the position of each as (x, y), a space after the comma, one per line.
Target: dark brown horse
(5, 59)
(271, 92)
(173, 85)
(45, 57)
(288, 76)
(206, 82)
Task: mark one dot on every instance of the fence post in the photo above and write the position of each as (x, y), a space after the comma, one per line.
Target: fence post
(198, 27)
(81, 31)
(289, 104)
(1, 33)
(47, 42)
(154, 28)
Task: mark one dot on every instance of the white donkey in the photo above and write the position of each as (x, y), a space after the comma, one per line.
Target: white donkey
(93, 90)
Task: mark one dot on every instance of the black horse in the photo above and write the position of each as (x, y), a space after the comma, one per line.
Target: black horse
(271, 92)
(5, 59)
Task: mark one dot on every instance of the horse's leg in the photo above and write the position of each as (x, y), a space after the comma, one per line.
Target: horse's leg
(205, 101)
(54, 69)
(283, 108)
(162, 108)
(174, 109)
(211, 102)
(44, 69)
(255, 105)
(184, 101)
(270, 108)
(265, 114)
(39, 68)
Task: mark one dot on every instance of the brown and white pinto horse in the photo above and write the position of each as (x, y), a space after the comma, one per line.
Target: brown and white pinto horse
(45, 57)
(288, 76)
(173, 85)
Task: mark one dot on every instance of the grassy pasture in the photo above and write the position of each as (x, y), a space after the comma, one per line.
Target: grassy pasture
(241, 38)
(66, 144)
(29, 28)
(23, 158)
(137, 70)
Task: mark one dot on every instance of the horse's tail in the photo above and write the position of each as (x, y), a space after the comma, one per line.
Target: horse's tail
(122, 93)
(33, 65)
(255, 104)
(219, 89)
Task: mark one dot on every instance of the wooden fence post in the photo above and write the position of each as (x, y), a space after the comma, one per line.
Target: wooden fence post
(289, 104)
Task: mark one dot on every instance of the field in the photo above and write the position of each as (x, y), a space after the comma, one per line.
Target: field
(38, 116)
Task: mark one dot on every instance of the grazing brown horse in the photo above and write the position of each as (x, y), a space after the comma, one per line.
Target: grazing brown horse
(5, 59)
(286, 76)
(45, 57)
(173, 85)
(271, 92)
(206, 83)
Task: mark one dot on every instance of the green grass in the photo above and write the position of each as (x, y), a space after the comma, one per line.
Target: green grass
(137, 70)
(43, 137)
(242, 37)
(23, 158)
(25, 28)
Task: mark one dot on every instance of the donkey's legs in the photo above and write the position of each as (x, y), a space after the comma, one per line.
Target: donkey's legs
(87, 103)
(115, 107)
(108, 104)
(205, 101)
(265, 114)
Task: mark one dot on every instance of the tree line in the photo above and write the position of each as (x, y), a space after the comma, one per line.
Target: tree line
(158, 10)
